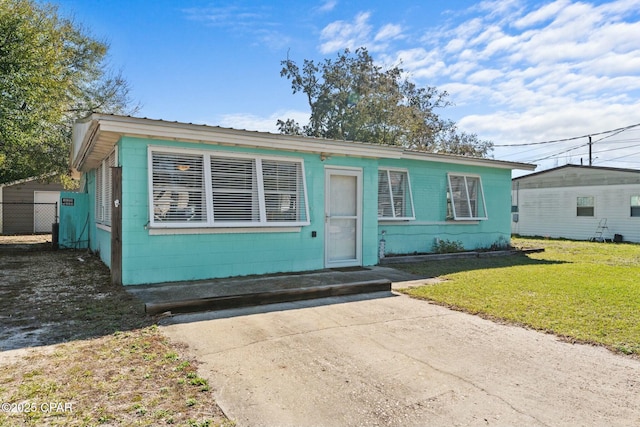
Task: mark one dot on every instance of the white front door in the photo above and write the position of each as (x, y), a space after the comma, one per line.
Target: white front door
(343, 217)
(46, 209)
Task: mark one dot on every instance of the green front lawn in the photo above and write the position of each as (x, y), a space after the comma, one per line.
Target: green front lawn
(584, 291)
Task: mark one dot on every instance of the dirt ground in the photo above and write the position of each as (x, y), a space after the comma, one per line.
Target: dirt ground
(49, 297)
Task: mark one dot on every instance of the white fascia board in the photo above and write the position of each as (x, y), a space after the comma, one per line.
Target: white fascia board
(145, 128)
(462, 160)
(206, 134)
(84, 138)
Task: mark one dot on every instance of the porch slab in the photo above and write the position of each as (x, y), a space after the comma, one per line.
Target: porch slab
(220, 294)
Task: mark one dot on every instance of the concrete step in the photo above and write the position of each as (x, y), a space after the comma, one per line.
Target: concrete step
(223, 302)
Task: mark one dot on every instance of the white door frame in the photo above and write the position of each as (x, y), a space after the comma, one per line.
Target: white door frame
(342, 171)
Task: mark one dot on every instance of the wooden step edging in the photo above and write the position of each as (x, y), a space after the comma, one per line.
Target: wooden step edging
(403, 259)
(267, 297)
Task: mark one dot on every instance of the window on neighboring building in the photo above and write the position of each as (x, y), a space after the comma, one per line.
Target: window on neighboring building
(394, 195)
(103, 189)
(465, 198)
(229, 191)
(585, 206)
(635, 206)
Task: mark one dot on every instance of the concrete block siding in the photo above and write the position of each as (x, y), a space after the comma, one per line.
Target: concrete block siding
(429, 188)
(151, 258)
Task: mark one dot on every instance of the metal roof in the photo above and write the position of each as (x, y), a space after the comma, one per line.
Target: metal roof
(95, 137)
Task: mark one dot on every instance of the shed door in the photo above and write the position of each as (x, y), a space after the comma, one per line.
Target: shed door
(46, 210)
(343, 217)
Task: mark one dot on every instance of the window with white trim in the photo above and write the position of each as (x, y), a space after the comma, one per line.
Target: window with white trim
(104, 192)
(465, 198)
(178, 188)
(212, 190)
(585, 206)
(635, 206)
(395, 201)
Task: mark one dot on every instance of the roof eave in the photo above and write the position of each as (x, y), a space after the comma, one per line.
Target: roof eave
(105, 130)
(464, 160)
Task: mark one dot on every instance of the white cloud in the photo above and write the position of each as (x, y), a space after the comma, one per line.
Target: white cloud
(543, 14)
(484, 76)
(454, 45)
(518, 71)
(260, 123)
(327, 6)
(527, 74)
(339, 35)
(388, 32)
(417, 63)
(342, 34)
(257, 23)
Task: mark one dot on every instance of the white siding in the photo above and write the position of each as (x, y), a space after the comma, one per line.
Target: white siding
(551, 212)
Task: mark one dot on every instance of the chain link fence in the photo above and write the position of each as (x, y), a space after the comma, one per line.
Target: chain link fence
(27, 218)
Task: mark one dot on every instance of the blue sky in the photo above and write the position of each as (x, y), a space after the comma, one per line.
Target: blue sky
(517, 71)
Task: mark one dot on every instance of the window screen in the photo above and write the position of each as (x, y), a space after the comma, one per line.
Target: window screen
(178, 188)
(465, 198)
(394, 195)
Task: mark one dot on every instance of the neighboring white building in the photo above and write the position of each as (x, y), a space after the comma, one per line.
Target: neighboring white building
(578, 202)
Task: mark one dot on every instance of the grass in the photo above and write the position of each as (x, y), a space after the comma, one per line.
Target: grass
(582, 291)
(134, 378)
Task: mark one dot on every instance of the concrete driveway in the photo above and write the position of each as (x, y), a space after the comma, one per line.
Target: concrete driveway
(396, 361)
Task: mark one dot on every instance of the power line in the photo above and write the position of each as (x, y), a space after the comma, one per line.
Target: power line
(562, 152)
(617, 148)
(618, 130)
(626, 156)
(619, 161)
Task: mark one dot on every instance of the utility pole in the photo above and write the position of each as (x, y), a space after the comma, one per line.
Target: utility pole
(590, 159)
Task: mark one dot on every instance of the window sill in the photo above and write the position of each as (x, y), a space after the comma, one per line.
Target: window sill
(220, 230)
(464, 221)
(416, 223)
(104, 227)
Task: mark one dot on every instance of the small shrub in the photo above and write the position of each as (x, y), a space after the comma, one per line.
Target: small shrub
(447, 246)
(500, 245)
(182, 366)
(172, 355)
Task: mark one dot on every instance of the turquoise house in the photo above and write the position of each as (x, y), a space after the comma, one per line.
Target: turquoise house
(164, 201)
